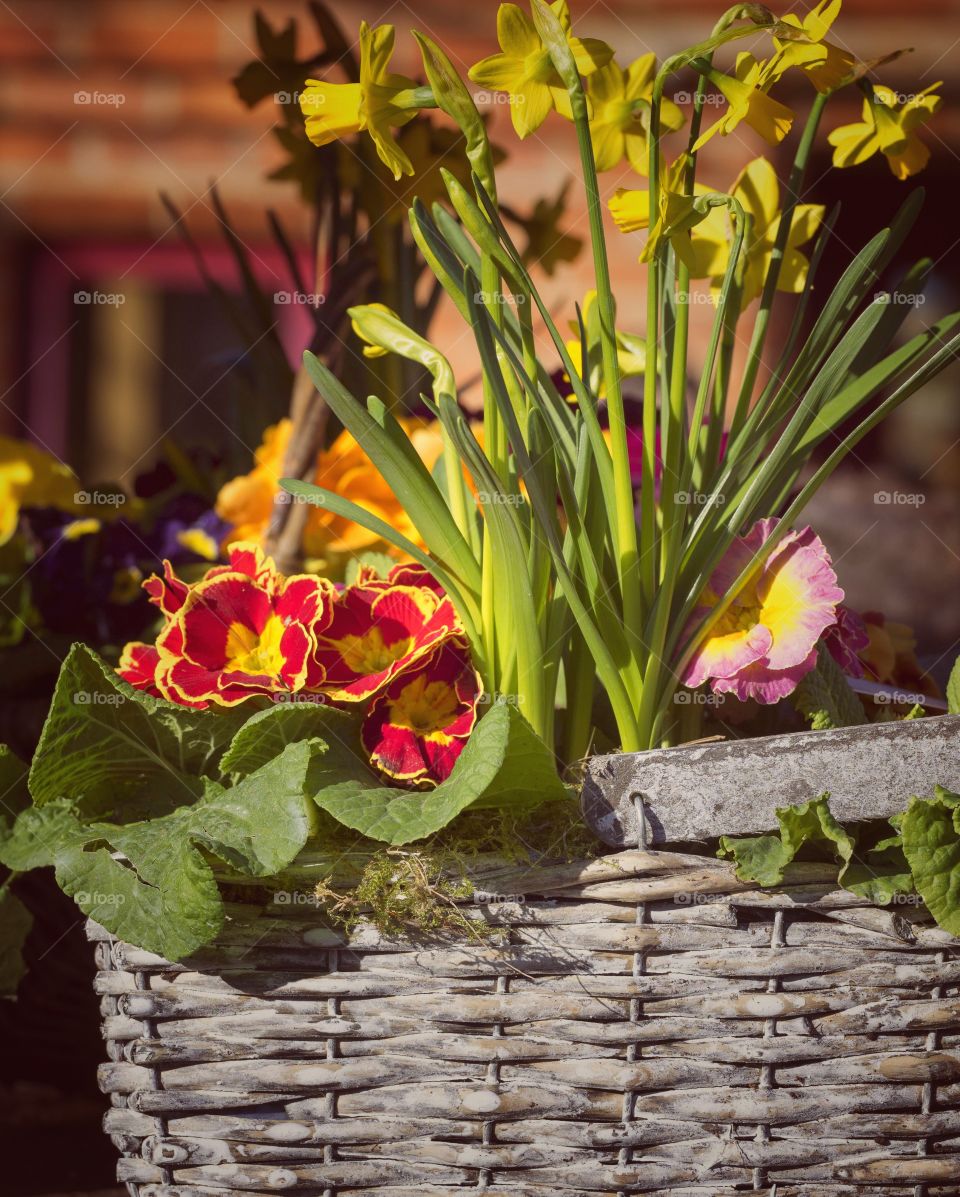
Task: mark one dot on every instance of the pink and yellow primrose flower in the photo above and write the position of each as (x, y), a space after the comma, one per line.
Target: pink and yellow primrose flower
(765, 642)
(377, 631)
(242, 630)
(417, 726)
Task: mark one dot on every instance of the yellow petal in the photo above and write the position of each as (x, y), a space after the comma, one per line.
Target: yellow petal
(806, 221)
(516, 33)
(768, 117)
(640, 77)
(608, 145)
(637, 147)
(630, 210)
(606, 84)
(910, 160)
(853, 144)
(758, 191)
(530, 107)
(793, 271)
(499, 72)
(332, 110)
(376, 49)
(389, 151)
(590, 53)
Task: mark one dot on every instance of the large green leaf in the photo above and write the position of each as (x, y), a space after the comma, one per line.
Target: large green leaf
(504, 764)
(931, 842)
(267, 733)
(161, 893)
(105, 743)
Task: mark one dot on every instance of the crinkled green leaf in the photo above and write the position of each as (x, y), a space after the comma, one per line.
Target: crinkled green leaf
(15, 924)
(871, 865)
(764, 858)
(825, 698)
(880, 873)
(105, 743)
(267, 733)
(163, 895)
(504, 763)
(931, 844)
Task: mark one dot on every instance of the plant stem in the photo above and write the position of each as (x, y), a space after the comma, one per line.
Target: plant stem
(626, 523)
(758, 339)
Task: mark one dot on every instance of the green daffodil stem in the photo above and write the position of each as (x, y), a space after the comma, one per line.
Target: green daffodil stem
(794, 185)
(648, 513)
(626, 523)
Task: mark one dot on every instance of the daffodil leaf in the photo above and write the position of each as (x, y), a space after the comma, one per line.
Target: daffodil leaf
(504, 763)
(454, 98)
(151, 882)
(107, 746)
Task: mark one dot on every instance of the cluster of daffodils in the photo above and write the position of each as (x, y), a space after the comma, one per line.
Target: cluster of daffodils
(703, 586)
(391, 648)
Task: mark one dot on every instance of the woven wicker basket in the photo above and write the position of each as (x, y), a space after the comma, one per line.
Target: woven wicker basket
(639, 1024)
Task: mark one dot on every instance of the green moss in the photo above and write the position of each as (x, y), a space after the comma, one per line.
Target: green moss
(421, 890)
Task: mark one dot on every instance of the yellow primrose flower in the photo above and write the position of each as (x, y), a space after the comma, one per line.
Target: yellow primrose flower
(888, 125)
(631, 350)
(29, 477)
(677, 216)
(758, 192)
(748, 102)
(621, 104)
(825, 64)
(336, 110)
(524, 69)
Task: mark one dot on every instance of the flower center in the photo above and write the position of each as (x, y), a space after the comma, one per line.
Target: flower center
(250, 652)
(423, 707)
(370, 653)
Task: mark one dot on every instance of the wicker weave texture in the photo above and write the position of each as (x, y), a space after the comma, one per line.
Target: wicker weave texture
(638, 1024)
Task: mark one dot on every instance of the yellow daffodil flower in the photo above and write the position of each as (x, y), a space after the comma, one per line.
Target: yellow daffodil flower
(336, 110)
(369, 349)
(825, 64)
(524, 70)
(748, 102)
(758, 191)
(621, 104)
(677, 216)
(888, 125)
(631, 350)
